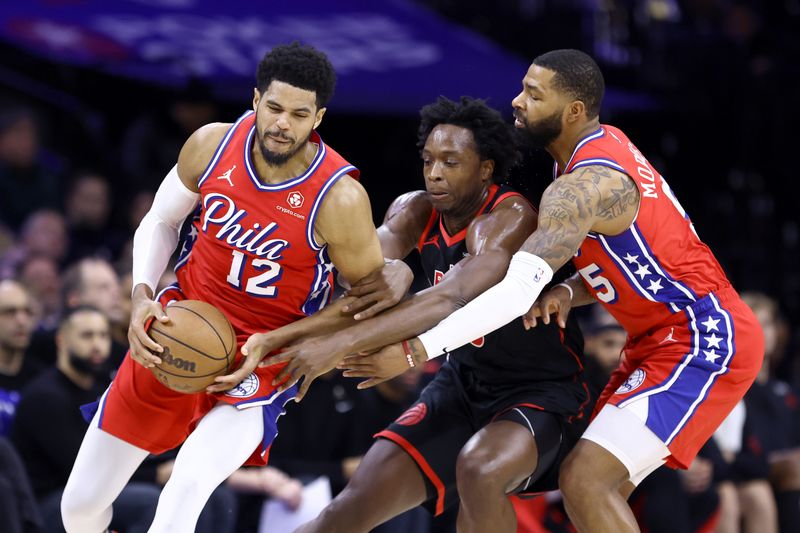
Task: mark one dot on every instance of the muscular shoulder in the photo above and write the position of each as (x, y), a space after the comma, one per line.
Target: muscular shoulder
(345, 203)
(608, 197)
(346, 193)
(198, 150)
(506, 226)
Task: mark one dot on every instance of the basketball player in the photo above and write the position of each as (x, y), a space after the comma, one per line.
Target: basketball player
(693, 346)
(503, 410)
(269, 208)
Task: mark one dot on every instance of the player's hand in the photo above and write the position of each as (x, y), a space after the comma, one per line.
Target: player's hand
(380, 290)
(382, 365)
(556, 300)
(257, 346)
(143, 310)
(307, 359)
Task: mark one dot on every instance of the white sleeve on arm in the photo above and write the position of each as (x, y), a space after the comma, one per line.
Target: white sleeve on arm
(511, 298)
(157, 235)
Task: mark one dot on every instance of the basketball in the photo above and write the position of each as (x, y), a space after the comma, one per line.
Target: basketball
(199, 344)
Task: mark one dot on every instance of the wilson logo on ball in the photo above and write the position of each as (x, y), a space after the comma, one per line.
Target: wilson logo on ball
(178, 363)
(295, 199)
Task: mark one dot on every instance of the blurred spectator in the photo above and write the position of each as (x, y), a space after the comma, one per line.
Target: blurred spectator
(16, 370)
(25, 184)
(603, 343)
(325, 415)
(41, 277)
(90, 281)
(19, 512)
(88, 210)
(139, 206)
(775, 405)
(344, 419)
(746, 502)
(151, 145)
(44, 233)
(49, 413)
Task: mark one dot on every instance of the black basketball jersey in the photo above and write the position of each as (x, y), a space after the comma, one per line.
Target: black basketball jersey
(510, 356)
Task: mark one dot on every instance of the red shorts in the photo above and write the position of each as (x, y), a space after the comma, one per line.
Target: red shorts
(693, 370)
(138, 409)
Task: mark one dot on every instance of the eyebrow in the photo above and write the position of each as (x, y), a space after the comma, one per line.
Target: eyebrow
(427, 151)
(276, 104)
(533, 87)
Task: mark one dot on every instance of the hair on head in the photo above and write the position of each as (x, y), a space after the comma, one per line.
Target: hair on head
(494, 136)
(298, 65)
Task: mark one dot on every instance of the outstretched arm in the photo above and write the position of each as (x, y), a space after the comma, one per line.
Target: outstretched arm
(591, 198)
(491, 241)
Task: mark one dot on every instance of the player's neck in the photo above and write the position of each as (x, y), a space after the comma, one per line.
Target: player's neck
(10, 361)
(562, 148)
(292, 168)
(462, 216)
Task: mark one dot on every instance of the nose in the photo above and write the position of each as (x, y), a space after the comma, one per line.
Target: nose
(435, 171)
(516, 103)
(282, 122)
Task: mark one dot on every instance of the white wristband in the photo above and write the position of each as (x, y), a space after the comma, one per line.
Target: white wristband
(511, 298)
(566, 286)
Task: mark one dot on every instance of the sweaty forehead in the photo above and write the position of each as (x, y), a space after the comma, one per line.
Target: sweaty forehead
(450, 138)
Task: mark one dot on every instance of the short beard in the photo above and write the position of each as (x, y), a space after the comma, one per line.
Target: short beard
(86, 368)
(540, 134)
(276, 159)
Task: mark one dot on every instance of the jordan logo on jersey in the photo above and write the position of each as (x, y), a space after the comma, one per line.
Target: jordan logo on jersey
(437, 277)
(227, 175)
(221, 211)
(669, 337)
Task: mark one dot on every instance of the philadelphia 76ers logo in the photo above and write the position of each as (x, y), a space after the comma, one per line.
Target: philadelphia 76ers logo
(245, 389)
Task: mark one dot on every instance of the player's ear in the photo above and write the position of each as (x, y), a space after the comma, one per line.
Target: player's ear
(256, 98)
(575, 111)
(318, 118)
(487, 169)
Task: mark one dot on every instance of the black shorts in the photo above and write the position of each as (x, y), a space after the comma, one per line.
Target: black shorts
(448, 413)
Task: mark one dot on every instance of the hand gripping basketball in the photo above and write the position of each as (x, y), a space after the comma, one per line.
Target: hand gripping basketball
(257, 346)
(143, 349)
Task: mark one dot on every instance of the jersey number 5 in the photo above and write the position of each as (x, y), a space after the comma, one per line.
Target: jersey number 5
(257, 285)
(603, 288)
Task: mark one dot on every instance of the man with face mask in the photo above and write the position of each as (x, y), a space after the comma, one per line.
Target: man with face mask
(49, 428)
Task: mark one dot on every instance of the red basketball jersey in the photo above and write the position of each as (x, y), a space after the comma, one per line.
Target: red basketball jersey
(659, 265)
(250, 249)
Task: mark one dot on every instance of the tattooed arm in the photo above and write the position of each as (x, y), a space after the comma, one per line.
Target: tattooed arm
(591, 198)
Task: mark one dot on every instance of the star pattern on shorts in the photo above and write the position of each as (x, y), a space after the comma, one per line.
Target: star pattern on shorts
(655, 285)
(713, 341)
(632, 258)
(711, 356)
(642, 271)
(711, 324)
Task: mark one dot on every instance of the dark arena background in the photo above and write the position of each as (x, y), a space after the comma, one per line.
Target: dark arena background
(97, 97)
